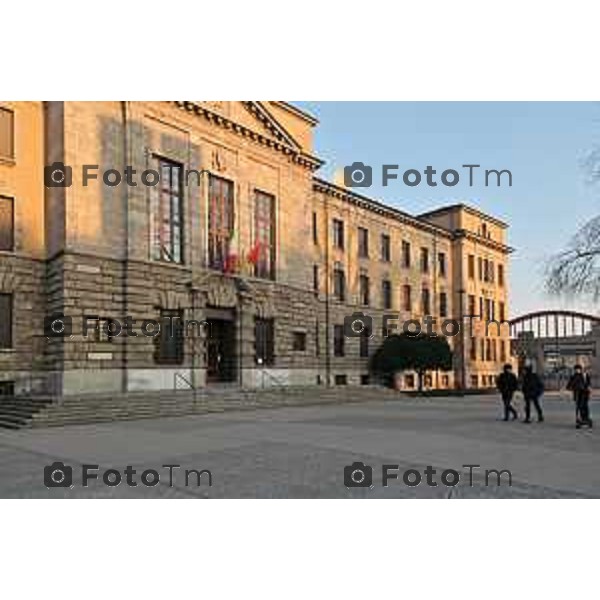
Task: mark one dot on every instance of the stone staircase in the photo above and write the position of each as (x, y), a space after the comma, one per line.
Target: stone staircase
(27, 412)
(18, 412)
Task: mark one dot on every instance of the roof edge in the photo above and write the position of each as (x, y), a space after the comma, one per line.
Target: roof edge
(466, 207)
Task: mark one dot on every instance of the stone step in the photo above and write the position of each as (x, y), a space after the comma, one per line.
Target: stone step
(18, 411)
(45, 412)
(17, 420)
(5, 424)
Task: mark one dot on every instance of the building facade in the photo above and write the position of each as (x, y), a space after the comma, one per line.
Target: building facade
(250, 262)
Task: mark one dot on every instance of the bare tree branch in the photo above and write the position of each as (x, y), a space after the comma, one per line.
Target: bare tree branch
(577, 269)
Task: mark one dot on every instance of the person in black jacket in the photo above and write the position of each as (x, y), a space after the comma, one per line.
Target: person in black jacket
(507, 385)
(580, 384)
(532, 388)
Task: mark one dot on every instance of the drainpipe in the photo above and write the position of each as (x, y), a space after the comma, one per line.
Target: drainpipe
(327, 288)
(124, 286)
(435, 303)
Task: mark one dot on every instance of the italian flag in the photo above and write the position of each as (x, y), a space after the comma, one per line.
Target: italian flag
(254, 253)
(231, 262)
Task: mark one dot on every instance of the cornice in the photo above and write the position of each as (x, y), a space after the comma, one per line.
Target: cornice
(280, 143)
(467, 208)
(311, 119)
(484, 241)
(352, 197)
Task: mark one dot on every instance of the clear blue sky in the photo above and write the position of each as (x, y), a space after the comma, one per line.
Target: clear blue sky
(546, 145)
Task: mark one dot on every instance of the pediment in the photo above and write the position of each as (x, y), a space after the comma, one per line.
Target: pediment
(254, 115)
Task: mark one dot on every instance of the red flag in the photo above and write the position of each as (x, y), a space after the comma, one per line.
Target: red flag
(254, 253)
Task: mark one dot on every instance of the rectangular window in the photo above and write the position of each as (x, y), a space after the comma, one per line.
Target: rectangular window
(473, 352)
(502, 350)
(341, 380)
(474, 381)
(406, 254)
(7, 133)
(168, 344)
(386, 250)
(363, 242)
(471, 266)
(386, 293)
(264, 235)
(221, 221)
(338, 234)
(480, 268)
(339, 284)
(264, 341)
(299, 341)
(339, 341)
(425, 301)
(501, 275)
(317, 339)
(443, 304)
(7, 389)
(167, 213)
(363, 290)
(316, 279)
(472, 309)
(7, 224)
(406, 298)
(502, 311)
(424, 260)
(363, 341)
(6, 320)
(409, 381)
(442, 264)
(488, 309)
(492, 270)
(315, 231)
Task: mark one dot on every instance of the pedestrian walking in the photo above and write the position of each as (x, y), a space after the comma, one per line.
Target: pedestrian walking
(532, 388)
(507, 385)
(580, 385)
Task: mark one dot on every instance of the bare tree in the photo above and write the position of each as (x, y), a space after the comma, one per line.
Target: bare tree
(576, 270)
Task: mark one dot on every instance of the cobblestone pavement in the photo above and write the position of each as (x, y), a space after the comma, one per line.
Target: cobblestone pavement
(301, 452)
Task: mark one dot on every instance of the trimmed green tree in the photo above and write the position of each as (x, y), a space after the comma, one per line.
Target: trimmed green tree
(403, 352)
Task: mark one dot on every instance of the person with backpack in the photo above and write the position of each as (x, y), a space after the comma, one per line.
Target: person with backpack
(580, 385)
(507, 385)
(532, 388)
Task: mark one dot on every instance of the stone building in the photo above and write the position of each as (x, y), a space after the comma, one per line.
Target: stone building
(249, 261)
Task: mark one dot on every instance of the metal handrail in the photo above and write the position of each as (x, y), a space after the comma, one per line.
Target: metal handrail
(178, 376)
(272, 377)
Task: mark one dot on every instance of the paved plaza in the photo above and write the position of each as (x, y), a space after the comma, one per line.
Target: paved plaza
(301, 452)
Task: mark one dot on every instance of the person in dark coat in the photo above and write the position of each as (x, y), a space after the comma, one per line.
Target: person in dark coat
(580, 384)
(507, 385)
(532, 388)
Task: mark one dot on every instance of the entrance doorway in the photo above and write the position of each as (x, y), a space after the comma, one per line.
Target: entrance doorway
(221, 353)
